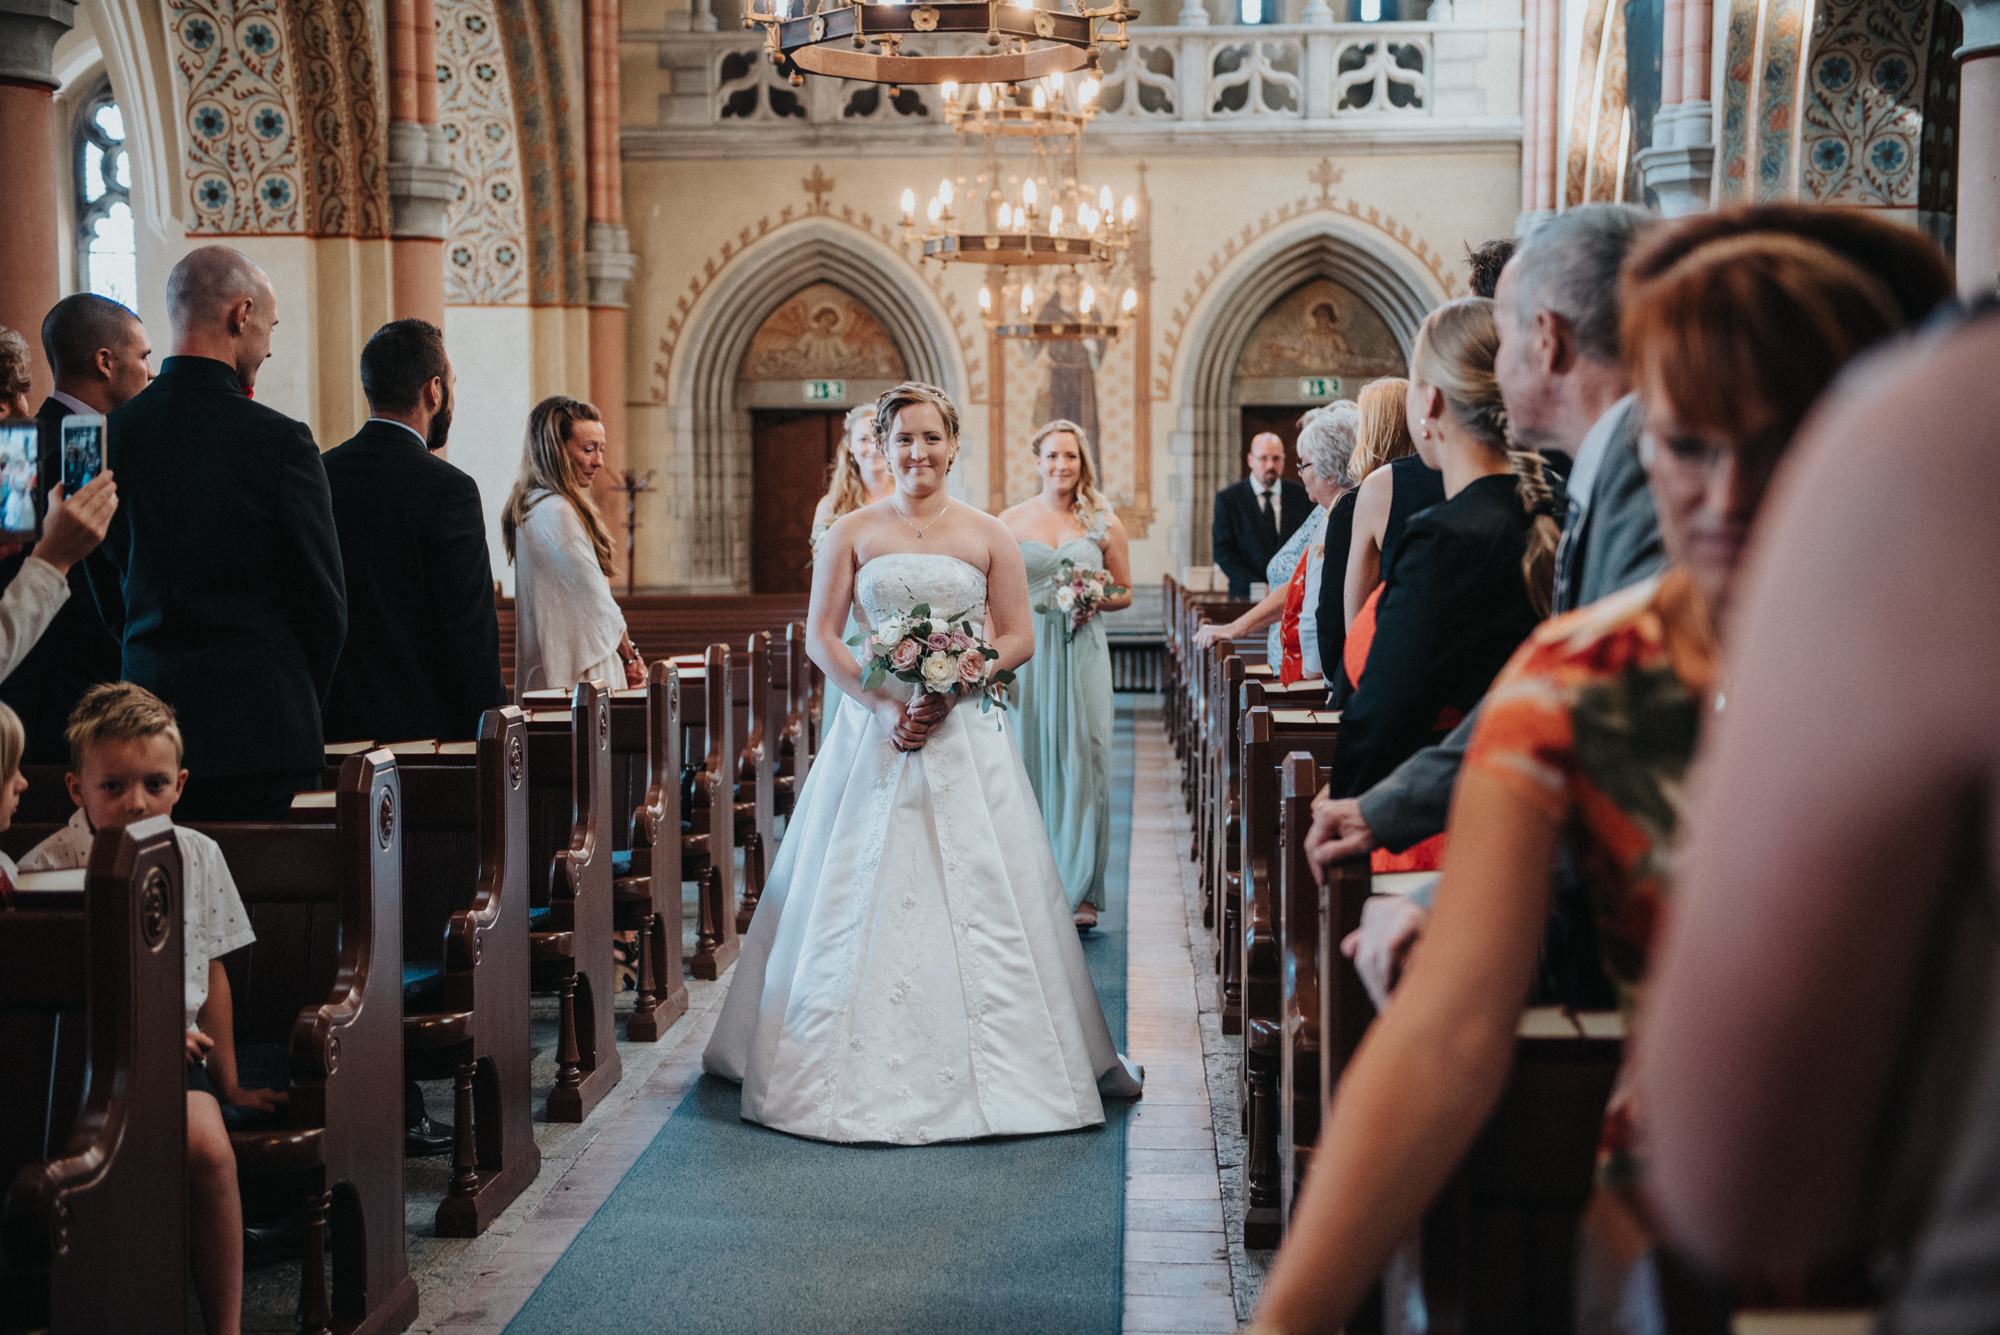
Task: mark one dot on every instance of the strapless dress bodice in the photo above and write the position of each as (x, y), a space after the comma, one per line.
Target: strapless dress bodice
(899, 581)
(1043, 561)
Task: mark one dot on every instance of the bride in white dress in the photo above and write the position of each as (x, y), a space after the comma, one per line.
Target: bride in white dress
(912, 974)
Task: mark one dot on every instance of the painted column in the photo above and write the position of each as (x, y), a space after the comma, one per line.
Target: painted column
(421, 181)
(1541, 69)
(608, 262)
(1679, 167)
(30, 280)
(1978, 242)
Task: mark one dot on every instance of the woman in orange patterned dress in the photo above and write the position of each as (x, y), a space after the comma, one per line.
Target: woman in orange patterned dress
(1589, 732)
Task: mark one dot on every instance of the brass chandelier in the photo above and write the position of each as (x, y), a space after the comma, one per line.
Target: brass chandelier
(1040, 218)
(834, 37)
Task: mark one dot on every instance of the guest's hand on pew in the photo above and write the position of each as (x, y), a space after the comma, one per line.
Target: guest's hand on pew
(198, 1045)
(256, 1100)
(1339, 831)
(635, 672)
(1380, 947)
(77, 524)
(1208, 634)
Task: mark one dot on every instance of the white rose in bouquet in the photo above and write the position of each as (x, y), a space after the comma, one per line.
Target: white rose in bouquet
(940, 671)
(1066, 598)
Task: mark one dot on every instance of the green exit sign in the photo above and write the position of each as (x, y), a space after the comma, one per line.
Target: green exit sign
(1319, 387)
(826, 391)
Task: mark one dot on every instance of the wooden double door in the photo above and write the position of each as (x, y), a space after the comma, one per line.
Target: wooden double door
(792, 454)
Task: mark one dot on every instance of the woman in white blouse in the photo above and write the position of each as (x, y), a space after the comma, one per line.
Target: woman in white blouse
(567, 626)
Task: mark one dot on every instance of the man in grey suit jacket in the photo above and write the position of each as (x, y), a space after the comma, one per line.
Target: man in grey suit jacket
(1565, 388)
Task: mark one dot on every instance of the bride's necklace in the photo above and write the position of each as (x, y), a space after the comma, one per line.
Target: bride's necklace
(929, 523)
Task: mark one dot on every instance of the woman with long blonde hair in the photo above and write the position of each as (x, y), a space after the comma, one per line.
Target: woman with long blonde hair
(567, 626)
(1064, 723)
(860, 473)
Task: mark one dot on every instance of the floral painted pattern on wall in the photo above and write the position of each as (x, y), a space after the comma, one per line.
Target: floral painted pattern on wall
(1777, 96)
(243, 169)
(344, 138)
(486, 228)
(1733, 182)
(1863, 114)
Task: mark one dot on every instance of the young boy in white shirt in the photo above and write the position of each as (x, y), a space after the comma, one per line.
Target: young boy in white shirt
(125, 766)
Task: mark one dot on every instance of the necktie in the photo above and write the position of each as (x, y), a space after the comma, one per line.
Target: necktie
(1270, 512)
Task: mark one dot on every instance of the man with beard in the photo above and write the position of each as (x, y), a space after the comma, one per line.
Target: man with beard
(422, 657)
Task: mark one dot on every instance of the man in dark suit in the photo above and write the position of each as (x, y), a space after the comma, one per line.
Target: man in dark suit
(1255, 516)
(100, 354)
(422, 657)
(224, 586)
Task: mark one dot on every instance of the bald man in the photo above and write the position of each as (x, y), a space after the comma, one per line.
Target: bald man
(224, 586)
(1255, 516)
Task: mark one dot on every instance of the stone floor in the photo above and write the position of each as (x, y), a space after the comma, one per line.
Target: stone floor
(1182, 1273)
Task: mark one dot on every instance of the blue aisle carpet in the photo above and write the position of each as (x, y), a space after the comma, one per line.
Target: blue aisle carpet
(724, 1227)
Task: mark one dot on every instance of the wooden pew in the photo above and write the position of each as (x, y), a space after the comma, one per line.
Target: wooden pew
(1269, 737)
(1497, 1249)
(324, 979)
(647, 893)
(665, 625)
(793, 676)
(466, 969)
(759, 721)
(95, 1151)
(569, 853)
(707, 851)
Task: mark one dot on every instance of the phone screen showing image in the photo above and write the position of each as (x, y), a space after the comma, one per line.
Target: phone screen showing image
(82, 451)
(18, 442)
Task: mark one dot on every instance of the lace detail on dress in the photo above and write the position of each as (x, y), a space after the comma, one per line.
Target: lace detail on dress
(899, 581)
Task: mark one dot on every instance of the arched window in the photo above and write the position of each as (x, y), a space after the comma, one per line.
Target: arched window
(106, 248)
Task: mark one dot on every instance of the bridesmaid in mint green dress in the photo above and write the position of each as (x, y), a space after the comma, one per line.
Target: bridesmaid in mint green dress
(1063, 721)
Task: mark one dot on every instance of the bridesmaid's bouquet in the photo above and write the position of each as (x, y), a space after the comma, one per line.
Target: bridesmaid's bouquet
(1078, 591)
(934, 654)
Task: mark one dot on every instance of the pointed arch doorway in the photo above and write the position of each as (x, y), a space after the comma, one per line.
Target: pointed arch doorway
(819, 354)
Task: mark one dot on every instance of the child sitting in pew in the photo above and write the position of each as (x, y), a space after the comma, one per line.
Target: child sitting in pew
(125, 766)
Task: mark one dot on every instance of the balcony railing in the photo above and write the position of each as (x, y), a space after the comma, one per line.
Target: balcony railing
(1170, 86)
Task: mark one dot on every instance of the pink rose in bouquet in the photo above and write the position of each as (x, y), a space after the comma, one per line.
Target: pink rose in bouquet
(936, 655)
(904, 655)
(1077, 591)
(971, 669)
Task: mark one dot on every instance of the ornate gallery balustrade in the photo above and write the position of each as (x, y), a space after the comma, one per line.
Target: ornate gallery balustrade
(1281, 88)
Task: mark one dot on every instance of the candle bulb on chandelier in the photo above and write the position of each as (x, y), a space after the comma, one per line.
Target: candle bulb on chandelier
(1027, 299)
(1006, 216)
(1028, 192)
(949, 90)
(1131, 210)
(1089, 299)
(1131, 301)
(909, 206)
(1055, 220)
(1086, 92)
(944, 194)
(1104, 199)
(985, 299)
(986, 97)
(936, 209)
(1041, 100)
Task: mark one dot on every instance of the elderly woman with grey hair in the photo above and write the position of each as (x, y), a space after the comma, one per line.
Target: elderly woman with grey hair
(1326, 449)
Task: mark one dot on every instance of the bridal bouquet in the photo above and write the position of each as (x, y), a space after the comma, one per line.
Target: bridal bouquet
(935, 654)
(1078, 591)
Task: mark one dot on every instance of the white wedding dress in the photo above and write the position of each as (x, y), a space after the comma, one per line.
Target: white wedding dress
(913, 974)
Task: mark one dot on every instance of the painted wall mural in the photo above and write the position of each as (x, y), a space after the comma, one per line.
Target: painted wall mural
(486, 225)
(1600, 122)
(1826, 101)
(1090, 382)
(284, 117)
(1321, 329)
(243, 168)
(346, 142)
(1864, 102)
(822, 333)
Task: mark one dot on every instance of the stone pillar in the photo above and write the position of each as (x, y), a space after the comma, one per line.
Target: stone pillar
(30, 280)
(608, 260)
(1680, 165)
(1541, 68)
(1978, 241)
(421, 181)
